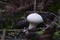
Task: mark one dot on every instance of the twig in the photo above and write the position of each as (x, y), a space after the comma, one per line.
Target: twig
(3, 2)
(3, 36)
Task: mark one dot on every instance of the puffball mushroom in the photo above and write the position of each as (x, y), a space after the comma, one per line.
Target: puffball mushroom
(34, 19)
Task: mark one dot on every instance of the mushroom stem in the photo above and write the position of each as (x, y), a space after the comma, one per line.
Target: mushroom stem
(32, 26)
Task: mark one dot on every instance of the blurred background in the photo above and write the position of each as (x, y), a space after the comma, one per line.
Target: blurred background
(13, 11)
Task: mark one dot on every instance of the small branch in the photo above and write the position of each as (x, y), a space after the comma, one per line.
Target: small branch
(3, 2)
(3, 36)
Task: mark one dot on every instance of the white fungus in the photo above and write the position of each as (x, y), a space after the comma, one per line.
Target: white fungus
(34, 19)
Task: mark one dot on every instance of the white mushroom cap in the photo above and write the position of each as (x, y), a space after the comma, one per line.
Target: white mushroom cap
(34, 18)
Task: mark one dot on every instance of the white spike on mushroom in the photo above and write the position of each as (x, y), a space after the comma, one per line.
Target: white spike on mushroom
(34, 19)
